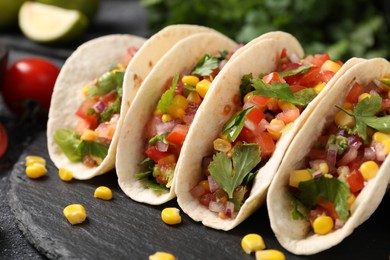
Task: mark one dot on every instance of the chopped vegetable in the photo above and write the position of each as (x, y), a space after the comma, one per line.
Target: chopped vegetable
(75, 213)
(251, 243)
(103, 192)
(171, 216)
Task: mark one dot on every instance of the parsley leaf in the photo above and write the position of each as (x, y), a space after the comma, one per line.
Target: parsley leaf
(234, 125)
(330, 189)
(159, 137)
(94, 149)
(206, 65)
(229, 173)
(167, 98)
(68, 141)
(300, 70)
(246, 85)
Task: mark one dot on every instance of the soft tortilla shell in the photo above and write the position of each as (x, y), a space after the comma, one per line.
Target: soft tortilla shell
(131, 145)
(293, 234)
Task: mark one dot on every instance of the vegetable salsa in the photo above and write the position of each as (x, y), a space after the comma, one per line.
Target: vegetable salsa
(270, 104)
(97, 117)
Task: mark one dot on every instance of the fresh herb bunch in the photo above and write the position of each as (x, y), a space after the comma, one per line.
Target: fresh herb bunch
(344, 29)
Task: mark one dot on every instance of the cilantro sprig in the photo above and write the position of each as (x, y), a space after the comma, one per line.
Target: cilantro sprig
(300, 70)
(232, 128)
(208, 63)
(167, 98)
(230, 172)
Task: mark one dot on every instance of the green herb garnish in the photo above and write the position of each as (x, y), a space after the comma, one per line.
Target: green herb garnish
(206, 65)
(234, 125)
(94, 149)
(167, 98)
(68, 141)
(300, 70)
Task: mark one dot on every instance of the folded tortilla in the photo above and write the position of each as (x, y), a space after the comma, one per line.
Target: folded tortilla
(260, 57)
(131, 145)
(90, 61)
(293, 235)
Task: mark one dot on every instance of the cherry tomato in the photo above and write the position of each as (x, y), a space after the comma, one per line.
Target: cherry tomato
(28, 85)
(3, 140)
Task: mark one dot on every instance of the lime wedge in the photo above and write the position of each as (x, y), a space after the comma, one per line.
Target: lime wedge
(50, 24)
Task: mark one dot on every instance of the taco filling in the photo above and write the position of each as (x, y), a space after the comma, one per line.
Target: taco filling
(269, 106)
(167, 129)
(97, 117)
(344, 158)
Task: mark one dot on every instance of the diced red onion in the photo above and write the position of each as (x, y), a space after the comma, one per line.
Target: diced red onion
(165, 127)
(295, 59)
(380, 151)
(261, 126)
(354, 142)
(250, 125)
(338, 223)
(99, 106)
(161, 146)
(222, 64)
(216, 206)
(349, 156)
(369, 153)
(213, 185)
(331, 157)
(229, 209)
(317, 174)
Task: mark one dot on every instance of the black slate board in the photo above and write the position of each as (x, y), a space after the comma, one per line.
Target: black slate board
(124, 229)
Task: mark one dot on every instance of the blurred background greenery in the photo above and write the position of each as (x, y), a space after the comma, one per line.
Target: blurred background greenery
(344, 29)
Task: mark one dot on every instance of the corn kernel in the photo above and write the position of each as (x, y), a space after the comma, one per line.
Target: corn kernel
(319, 87)
(284, 105)
(190, 80)
(88, 135)
(275, 128)
(324, 168)
(363, 96)
(369, 169)
(252, 242)
(167, 159)
(202, 87)
(222, 145)
(248, 96)
(75, 213)
(176, 111)
(36, 170)
(180, 101)
(330, 65)
(171, 216)
(65, 174)
(194, 98)
(350, 200)
(298, 176)
(85, 90)
(343, 119)
(103, 193)
(31, 159)
(322, 225)
(269, 254)
(158, 112)
(166, 118)
(347, 106)
(379, 137)
(205, 185)
(162, 256)
(386, 146)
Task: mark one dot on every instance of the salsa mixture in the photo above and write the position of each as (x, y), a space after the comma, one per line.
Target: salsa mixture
(345, 157)
(97, 117)
(270, 104)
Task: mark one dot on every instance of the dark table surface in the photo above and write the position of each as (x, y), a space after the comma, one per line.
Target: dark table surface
(370, 240)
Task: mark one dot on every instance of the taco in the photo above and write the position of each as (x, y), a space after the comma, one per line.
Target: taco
(335, 172)
(162, 112)
(89, 95)
(255, 108)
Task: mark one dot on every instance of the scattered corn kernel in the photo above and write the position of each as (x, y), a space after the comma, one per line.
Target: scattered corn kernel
(171, 216)
(31, 159)
(222, 145)
(386, 145)
(252, 242)
(269, 254)
(363, 96)
(190, 80)
(284, 105)
(103, 193)
(322, 225)
(36, 170)
(202, 87)
(176, 111)
(324, 168)
(343, 119)
(166, 118)
(162, 256)
(369, 169)
(298, 176)
(88, 135)
(65, 174)
(180, 101)
(194, 98)
(319, 87)
(379, 137)
(248, 96)
(330, 65)
(75, 213)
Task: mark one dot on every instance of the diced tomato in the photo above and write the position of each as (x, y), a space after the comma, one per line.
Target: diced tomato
(255, 116)
(266, 144)
(82, 112)
(317, 154)
(273, 77)
(260, 101)
(311, 78)
(150, 128)
(178, 134)
(354, 93)
(153, 153)
(283, 54)
(329, 208)
(296, 87)
(355, 181)
(131, 51)
(288, 115)
(206, 198)
(319, 59)
(327, 75)
(108, 98)
(247, 135)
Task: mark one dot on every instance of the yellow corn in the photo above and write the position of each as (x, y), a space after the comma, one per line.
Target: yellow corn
(324, 168)
(269, 254)
(330, 65)
(36, 170)
(252, 242)
(162, 256)
(75, 213)
(369, 169)
(65, 174)
(347, 106)
(166, 118)
(319, 87)
(222, 145)
(248, 96)
(31, 159)
(322, 225)
(171, 216)
(167, 159)
(158, 112)
(363, 96)
(103, 193)
(180, 101)
(89, 135)
(343, 119)
(194, 98)
(350, 200)
(277, 131)
(284, 105)
(380, 137)
(190, 80)
(176, 111)
(386, 145)
(85, 90)
(202, 87)
(298, 176)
